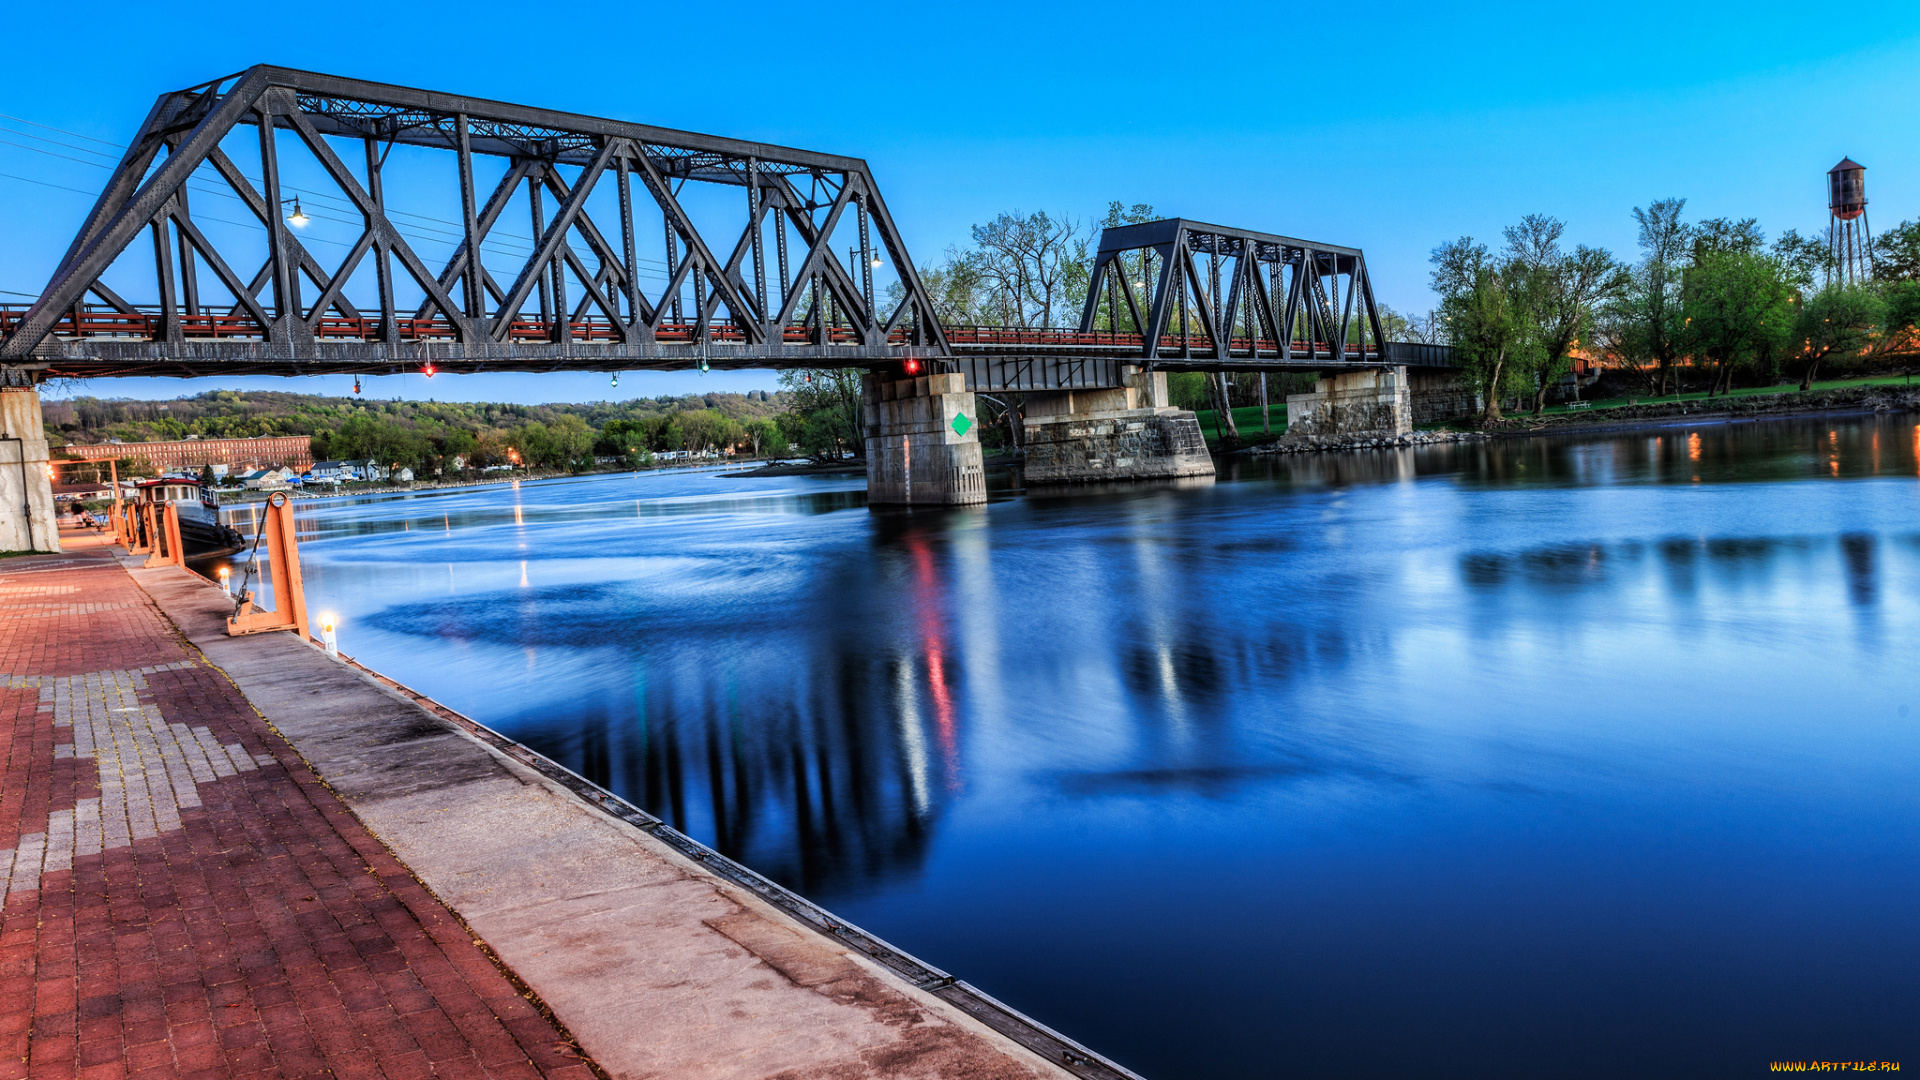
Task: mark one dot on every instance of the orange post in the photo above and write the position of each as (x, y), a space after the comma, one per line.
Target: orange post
(167, 550)
(141, 536)
(290, 596)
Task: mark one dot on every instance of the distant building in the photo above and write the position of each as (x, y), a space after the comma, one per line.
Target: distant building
(333, 471)
(195, 454)
(267, 479)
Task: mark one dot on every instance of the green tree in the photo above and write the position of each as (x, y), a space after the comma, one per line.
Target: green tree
(828, 401)
(1558, 292)
(1479, 316)
(1646, 323)
(1806, 259)
(1902, 322)
(1739, 313)
(1896, 253)
(1837, 324)
(766, 437)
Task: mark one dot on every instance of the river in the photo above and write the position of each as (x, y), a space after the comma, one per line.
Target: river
(1571, 756)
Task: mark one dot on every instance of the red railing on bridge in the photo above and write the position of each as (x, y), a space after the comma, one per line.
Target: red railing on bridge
(107, 323)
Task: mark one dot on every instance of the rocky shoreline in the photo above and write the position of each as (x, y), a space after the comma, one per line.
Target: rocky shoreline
(1308, 444)
(1789, 403)
(1720, 410)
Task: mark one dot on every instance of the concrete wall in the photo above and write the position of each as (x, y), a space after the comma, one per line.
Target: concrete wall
(34, 528)
(1353, 403)
(1437, 396)
(1125, 433)
(923, 440)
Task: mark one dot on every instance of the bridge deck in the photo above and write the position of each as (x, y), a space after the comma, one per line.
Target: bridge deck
(107, 342)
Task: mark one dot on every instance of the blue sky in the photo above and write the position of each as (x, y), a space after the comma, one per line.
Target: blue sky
(1389, 126)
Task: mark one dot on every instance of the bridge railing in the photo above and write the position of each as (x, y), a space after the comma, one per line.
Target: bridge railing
(101, 322)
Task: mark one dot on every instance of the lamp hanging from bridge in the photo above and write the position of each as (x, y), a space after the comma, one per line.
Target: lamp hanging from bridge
(298, 219)
(428, 371)
(616, 378)
(703, 365)
(356, 384)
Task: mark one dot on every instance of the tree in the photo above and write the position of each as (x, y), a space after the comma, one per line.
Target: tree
(1558, 292)
(1902, 321)
(1479, 316)
(827, 400)
(1739, 312)
(1839, 322)
(1725, 234)
(1034, 267)
(1896, 253)
(1806, 259)
(766, 437)
(1648, 323)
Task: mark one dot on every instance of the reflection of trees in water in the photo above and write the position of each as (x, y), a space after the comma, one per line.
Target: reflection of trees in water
(1731, 563)
(819, 782)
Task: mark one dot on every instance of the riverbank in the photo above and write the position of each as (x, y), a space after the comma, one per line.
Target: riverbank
(1880, 397)
(615, 943)
(1855, 399)
(242, 498)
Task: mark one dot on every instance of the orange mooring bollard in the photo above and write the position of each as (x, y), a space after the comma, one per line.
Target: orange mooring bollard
(284, 561)
(167, 548)
(141, 536)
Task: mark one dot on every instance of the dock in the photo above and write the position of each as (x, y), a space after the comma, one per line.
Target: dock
(226, 856)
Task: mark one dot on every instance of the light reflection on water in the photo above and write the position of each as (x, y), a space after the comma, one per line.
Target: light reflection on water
(1523, 758)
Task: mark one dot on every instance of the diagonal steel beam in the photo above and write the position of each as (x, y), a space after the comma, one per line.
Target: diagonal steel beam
(679, 222)
(71, 282)
(496, 203)
(549, 245)
(377, 222)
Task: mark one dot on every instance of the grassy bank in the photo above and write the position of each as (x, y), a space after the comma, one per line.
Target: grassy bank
(1599, 404)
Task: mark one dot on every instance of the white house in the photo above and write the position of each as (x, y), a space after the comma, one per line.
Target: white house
(267, 479)
(332, 471)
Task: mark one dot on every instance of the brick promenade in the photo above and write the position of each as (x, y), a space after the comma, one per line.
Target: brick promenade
(182, 897)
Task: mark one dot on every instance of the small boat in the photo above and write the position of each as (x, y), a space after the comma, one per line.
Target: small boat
(199, 508)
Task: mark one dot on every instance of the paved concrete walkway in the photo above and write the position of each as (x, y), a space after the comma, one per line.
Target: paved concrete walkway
(183, 897)
(210, 751)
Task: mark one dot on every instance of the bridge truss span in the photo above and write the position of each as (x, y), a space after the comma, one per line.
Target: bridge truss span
(642, 246)
(1210, 297)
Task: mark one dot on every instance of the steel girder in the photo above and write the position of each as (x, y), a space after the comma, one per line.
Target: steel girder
(1285, 304)
(818, 310)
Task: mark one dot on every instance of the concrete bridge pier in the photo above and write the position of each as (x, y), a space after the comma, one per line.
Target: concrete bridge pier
(1377, 403)
(1124, 433)
(923, 440)
(26, 495)
(1372, 403)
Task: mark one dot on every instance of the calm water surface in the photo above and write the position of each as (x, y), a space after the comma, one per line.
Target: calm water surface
(1566, 757)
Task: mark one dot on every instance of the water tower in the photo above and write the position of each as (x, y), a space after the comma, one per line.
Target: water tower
(1847, 234)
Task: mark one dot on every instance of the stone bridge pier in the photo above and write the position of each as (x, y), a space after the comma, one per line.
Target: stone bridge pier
(923, 440)
(1377, 403)
(1127, 432)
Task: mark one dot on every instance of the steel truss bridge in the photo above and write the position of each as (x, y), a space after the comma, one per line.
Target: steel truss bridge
(763, 290)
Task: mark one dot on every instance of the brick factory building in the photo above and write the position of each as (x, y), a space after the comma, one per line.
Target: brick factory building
(295, 451)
